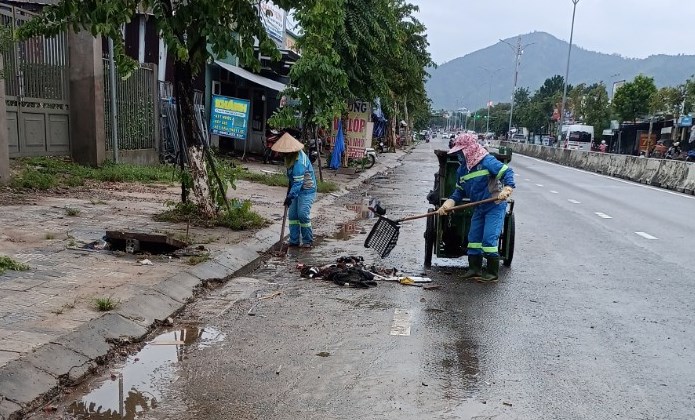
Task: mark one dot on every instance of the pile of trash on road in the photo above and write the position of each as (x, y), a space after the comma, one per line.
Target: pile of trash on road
(352, 271)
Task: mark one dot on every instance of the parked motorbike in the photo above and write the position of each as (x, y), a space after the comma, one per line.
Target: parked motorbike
(381, 146)
(313, 149)
(691, 156)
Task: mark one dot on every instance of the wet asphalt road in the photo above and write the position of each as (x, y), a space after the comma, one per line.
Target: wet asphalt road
(592, 321)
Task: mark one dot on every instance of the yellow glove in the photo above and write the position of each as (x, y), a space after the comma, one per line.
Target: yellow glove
(505, 193)
(444, 209)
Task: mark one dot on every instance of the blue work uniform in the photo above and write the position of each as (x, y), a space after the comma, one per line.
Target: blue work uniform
(482, 182)
(302, 191)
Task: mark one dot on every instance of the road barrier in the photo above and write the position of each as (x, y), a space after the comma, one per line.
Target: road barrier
(669, 174)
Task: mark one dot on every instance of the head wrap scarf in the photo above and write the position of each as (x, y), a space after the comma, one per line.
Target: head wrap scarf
(472, 150)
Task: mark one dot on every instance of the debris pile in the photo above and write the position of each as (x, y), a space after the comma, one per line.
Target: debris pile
(352, 271)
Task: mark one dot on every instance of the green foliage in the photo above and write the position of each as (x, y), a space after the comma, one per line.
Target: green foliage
(197, 259)
(105, 304)
(43, 173)
(72, 212)
(668, 100)
(7, 263)
(634, 99)
(240, 217)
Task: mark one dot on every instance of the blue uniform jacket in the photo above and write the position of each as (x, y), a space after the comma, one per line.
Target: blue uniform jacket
(483, 180)
(301, 176)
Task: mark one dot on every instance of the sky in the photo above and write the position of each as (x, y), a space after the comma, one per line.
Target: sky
(631, 28)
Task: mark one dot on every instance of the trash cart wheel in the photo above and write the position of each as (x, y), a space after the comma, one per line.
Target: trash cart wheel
(430, 234)
(508, 235)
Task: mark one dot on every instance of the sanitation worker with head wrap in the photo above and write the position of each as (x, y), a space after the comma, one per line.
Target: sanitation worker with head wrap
(481, 176)
(301, 190)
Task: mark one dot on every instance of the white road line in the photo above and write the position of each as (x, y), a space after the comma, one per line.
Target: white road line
(574, 201)
(527, 180)
(554, 192)
(603, 215)
(646, 235)
(635, 184)
(401, 322)
(539, 185)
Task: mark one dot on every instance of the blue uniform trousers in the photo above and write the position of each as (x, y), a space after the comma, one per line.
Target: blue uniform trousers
(486, 227)
(299, 215)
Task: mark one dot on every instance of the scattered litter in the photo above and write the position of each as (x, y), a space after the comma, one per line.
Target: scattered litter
(277, 371)
(424, 384)
(100, 245)
(432, 287)
(270, 296)
(145, 262)
(323, 354)
(507, 404)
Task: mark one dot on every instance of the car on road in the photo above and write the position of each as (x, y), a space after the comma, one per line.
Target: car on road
(519, 138)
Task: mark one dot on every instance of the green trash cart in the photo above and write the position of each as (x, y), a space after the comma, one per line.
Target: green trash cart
(447, 236)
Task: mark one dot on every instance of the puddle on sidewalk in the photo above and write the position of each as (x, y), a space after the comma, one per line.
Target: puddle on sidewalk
(135, 386)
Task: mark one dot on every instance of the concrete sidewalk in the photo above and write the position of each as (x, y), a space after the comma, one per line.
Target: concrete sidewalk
(50, 333)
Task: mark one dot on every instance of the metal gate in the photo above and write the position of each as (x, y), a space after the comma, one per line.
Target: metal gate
(37, 90)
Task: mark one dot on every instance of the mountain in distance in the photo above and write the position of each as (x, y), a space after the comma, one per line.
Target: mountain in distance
(466, 81)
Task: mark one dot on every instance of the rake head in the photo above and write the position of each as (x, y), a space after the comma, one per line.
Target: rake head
(383, 237)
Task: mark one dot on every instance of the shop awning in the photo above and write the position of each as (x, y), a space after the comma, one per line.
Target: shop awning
(252, 77)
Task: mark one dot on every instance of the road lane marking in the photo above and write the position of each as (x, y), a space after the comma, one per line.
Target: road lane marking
(554, 192)
(574, 201)
(539, 185)
(646, 235)
(603, 215)
(401, 322)
(527, 180)
(633, 183)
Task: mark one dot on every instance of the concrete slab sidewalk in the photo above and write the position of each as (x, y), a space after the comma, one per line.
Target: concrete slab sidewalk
(42, 350)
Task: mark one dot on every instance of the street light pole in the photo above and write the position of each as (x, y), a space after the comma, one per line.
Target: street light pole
(567, 75)
(518, 50)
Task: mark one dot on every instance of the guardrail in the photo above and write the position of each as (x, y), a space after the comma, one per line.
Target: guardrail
(674, 175)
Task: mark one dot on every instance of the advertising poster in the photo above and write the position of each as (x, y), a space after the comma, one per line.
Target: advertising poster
(357, 129)
(229, 117)
(273, 19)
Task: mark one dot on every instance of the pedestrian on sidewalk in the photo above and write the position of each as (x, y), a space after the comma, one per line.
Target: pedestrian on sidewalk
(481, 176)
(301, 191)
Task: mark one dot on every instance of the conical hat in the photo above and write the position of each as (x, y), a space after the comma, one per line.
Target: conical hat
(287, 144)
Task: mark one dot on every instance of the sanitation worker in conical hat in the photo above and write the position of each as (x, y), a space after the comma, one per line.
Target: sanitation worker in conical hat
(481, 176)
(301, 191)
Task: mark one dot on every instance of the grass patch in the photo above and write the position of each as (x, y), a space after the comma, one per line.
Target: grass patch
(50, 236)
(72, 243)
(197, 259)
(64, 308)
(280, 180)
(241, 217)
(7, 263)
(105, 304)
(44, 173)
(71, 211)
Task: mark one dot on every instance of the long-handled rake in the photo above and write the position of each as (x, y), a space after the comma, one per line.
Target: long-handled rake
(384, 235)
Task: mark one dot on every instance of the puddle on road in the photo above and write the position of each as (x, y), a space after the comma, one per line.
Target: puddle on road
(135, 387)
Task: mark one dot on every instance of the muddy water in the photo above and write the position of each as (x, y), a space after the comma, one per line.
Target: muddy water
(134, 386)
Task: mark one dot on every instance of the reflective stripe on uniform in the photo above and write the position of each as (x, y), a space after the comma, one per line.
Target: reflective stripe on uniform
(500, 174)
(489, 249)
(476, 174)
(305, 225)
(475, 245)
(294, 222)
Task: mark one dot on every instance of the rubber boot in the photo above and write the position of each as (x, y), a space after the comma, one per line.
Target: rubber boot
(475, 267)
(492, 271)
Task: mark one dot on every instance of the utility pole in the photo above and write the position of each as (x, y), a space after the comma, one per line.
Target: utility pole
(567, 75)
(518, 50)
(489, 94)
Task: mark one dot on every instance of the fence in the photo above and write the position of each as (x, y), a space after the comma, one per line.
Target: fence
(37, 89)
(137, 101)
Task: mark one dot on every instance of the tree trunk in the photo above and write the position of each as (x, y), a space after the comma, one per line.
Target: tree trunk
(196, 155)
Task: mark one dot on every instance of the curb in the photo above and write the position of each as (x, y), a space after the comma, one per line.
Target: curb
(30, 381)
